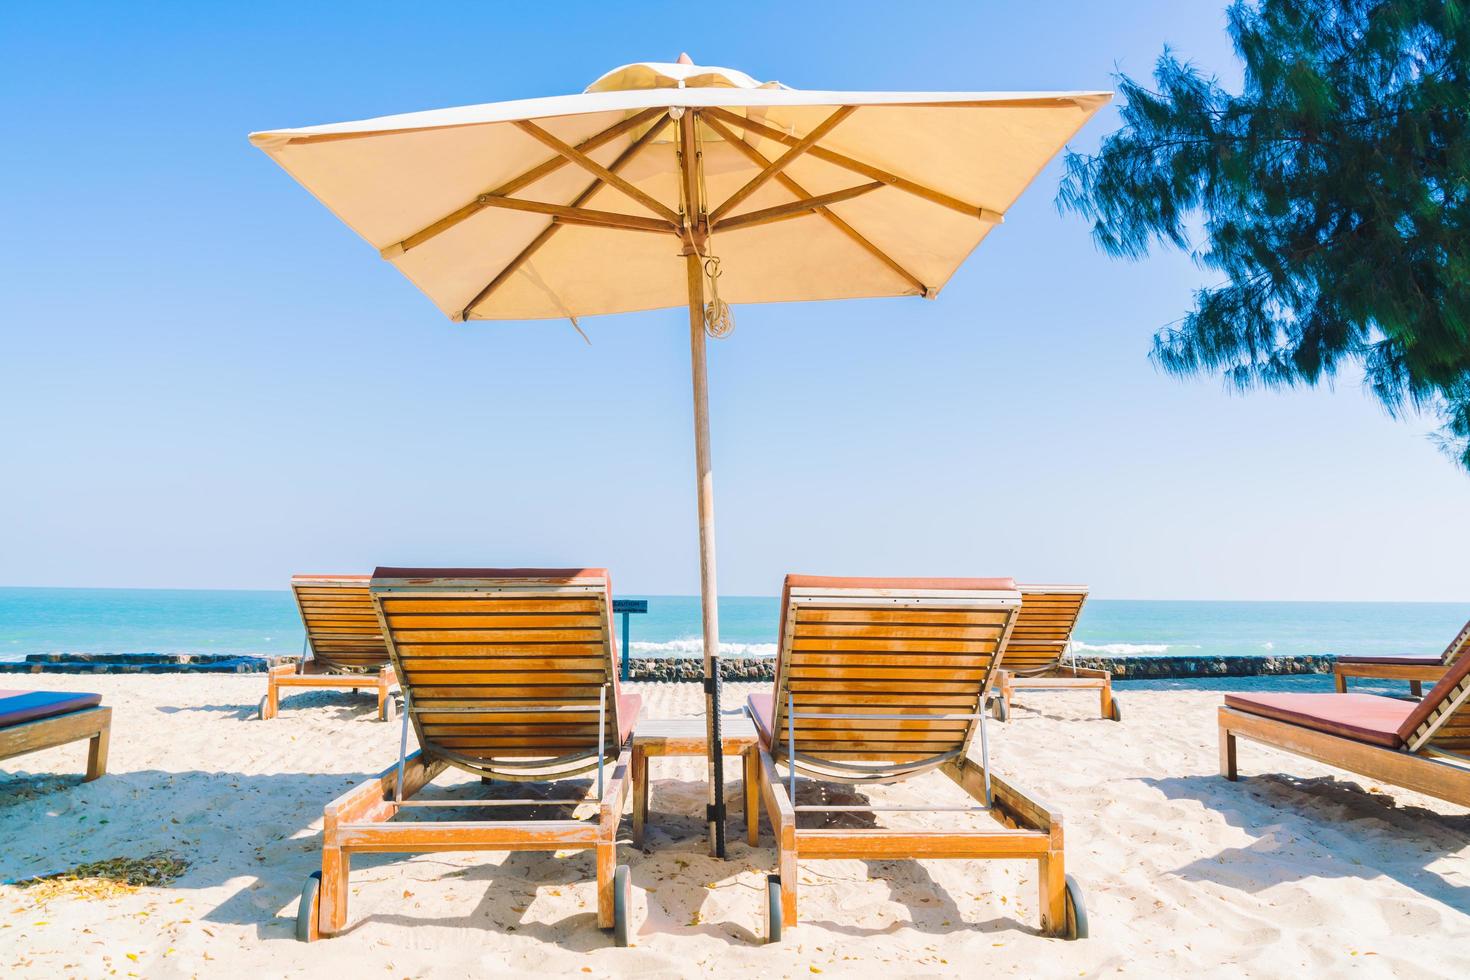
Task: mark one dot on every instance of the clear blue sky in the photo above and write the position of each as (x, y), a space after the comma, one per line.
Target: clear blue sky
(207, 381)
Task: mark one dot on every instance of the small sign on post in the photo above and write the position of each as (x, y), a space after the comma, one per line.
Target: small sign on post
(625, 607)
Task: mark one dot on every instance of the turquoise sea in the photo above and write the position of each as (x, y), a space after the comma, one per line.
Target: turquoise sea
(35, 620)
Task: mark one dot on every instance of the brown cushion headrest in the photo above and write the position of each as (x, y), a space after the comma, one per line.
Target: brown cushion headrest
(473, 573)
(842, 582)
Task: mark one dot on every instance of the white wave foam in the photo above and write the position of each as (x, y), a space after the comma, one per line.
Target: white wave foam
(1123, 649)
(694, 647)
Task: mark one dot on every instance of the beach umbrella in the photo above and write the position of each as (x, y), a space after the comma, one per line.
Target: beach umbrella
(666, 184)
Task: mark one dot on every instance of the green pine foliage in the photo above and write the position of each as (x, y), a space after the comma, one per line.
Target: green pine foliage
(1332, 194)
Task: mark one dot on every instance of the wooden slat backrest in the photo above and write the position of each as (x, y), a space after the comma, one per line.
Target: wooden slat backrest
(885, 651)
(342, 628)
(1442, 720)
(1044, 627)
(1458, 647)
(533, 640)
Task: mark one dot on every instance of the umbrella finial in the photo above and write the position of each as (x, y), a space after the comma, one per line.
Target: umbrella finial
(684, 59)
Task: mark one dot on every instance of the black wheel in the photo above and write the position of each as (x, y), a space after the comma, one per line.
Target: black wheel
(260, 708)
(1115, 712)
(1076, 926)
(390, 710)
(310, 908)
(773, 908)
(622, 904)
(1000, 709)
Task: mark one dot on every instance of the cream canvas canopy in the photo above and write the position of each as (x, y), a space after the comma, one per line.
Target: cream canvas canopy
(664, 181)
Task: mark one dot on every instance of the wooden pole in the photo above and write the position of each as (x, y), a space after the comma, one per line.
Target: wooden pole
(704, 484)
(708, 593)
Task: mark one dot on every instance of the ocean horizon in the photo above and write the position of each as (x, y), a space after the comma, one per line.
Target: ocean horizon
(219, 621)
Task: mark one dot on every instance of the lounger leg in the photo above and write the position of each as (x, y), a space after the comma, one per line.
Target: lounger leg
(783, 825)
(272, 697)
(383, 694)
(786, 868)
(640, 793)
(1227, 753)
(1340, 679)
(1053, 880)
(97, 754)
(607, 866)
(1107, 697)
(752, 797)
(1416, 688)
(336, 865)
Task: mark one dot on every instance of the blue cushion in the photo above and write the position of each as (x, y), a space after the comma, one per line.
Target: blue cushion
(18, 707)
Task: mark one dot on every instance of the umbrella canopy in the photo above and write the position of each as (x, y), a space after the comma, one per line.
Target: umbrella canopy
(662, 180)
(899, 188)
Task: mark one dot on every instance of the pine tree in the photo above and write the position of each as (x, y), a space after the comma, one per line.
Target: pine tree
(1332, 194)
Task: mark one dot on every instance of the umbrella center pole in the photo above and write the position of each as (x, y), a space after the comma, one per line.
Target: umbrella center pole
(695, 239)
(705, 489)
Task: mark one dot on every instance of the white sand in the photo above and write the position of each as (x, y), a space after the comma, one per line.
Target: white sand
(1308, 872)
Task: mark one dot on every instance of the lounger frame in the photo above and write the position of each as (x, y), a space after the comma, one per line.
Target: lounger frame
(382, 682)
(93, 723)
(1415, 674)
(363, 819)
(1436, 773)
(328, 666)
(1027, 828)
(1060, 673)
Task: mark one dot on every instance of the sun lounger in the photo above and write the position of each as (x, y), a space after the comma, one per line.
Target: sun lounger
(1423, 747)
(1038, 656)
(345, 641)
(35, 720)
(878, 681)
(1415, 670)
(511, 675)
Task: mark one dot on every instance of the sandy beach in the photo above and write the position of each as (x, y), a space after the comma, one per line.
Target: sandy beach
(1307, 871)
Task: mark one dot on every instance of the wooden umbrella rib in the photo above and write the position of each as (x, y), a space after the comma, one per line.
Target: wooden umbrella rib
(857, 166)
(924, 290)
(592, 166)
(611, 219)
(795, 209)
(586, 146)
(589, 221)
(799, 147)
(546, 234)
(525, 179)
(791, 185)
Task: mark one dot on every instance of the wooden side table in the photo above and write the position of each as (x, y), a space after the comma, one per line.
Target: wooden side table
(686, 737)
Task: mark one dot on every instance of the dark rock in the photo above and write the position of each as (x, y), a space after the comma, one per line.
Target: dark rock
(757, 669)
(660, 669)
(142, 663)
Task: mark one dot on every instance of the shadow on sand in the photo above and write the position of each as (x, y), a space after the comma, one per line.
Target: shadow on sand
(1304, 827)
(345, 705)
(258, 834)
(931, 909)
